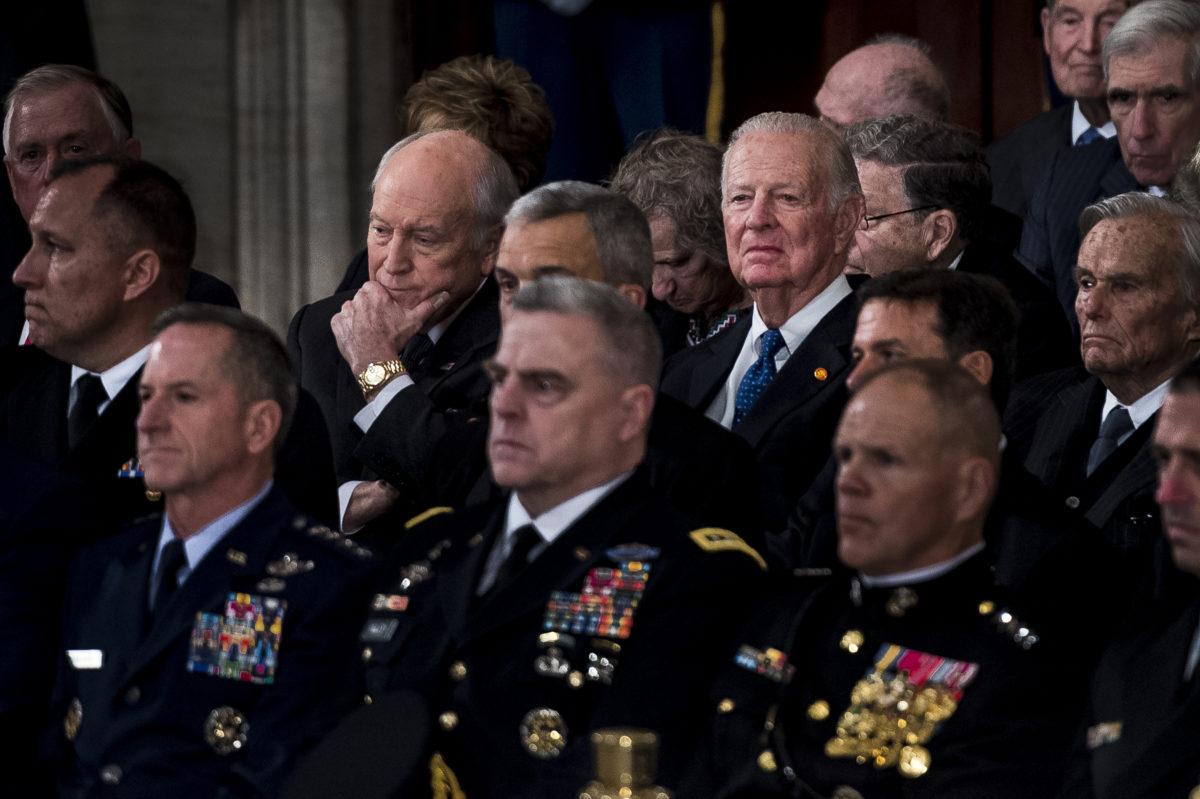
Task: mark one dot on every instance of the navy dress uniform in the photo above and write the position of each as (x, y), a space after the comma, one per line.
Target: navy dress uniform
(931, 689)
(622, 620)
(216, 692)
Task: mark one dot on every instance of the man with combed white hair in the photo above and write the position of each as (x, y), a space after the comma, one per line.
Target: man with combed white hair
(791, 204)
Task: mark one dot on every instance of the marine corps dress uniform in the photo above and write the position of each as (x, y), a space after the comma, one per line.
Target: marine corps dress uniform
(622, 620)
(927, 689)
(215, 693)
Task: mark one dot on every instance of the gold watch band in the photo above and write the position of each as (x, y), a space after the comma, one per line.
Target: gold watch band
(378, 375)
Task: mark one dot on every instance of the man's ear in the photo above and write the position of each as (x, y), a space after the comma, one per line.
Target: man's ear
(634, 293)
(142, 270)
(846, 220)
(940, 229)
(979, 364)
(491, 247)
(637, 404)
(976, 483)
(261, 425)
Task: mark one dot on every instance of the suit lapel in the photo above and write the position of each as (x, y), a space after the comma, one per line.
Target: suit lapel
(802, 377)
(112, 440)
(36, 416)
(1117, 179)
(1050, 456)
(714, 362)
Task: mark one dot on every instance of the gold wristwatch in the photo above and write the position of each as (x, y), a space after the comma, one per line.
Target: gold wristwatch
(377, 375)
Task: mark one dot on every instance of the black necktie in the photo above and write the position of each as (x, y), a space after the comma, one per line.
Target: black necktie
(415, 351)
(1115, 425)
(173, 557)
(525, 538)
(89, 393)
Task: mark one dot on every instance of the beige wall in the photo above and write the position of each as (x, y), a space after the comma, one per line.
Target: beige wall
(272, 113)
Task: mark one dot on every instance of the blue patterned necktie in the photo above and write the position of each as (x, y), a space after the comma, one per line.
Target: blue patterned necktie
(758, 376)
(1116, 424)
(1088, 136)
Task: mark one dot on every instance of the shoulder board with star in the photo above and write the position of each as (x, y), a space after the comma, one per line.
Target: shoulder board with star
(426, 515)
(332, 539)
(718, 539)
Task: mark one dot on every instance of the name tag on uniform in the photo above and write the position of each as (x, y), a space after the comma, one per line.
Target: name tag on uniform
(86, 659)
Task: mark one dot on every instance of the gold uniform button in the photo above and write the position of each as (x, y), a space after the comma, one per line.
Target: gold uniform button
(914, 761)
(367, 699)
(111, 774)
(366, 653)
(133, 695)
(448, 720)
(819, 710)
(575, 679)
(725, 706)
(986, 607)
(458, 671)
(851, 641)
(766, 760)
(1194, 793)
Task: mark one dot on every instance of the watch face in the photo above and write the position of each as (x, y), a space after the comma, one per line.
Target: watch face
(375, 373)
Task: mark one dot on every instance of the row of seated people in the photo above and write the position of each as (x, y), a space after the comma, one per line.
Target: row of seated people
(628, 490)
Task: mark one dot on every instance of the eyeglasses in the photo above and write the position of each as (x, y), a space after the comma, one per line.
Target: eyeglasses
(867, 219)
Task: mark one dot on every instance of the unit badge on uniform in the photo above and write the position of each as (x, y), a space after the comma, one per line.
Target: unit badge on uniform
(895, 709)
(243, 644)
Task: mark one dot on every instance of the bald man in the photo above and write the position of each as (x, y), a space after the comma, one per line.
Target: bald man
(891, 74)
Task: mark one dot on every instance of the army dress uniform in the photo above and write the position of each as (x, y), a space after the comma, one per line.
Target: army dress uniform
(933, 689)
(217, 692)
(622, 620)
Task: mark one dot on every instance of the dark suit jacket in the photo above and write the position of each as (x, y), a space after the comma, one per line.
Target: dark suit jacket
(1052, 423)
(449, 379)
(1019, 159)
(1139, 686)
(42, 517)
(1044, 340)
(1075, 178)
(483, 660)
(33, 419)
(791, 425)
(146, 712)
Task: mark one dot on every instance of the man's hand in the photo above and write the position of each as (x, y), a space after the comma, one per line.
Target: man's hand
(368, 502)
(372, 327)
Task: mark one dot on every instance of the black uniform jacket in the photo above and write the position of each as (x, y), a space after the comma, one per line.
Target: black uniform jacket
(934, 689)
(137, 720)
(517, 680)
(1142, 735)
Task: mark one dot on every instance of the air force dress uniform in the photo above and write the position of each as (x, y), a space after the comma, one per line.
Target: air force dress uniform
(216, 691)
(622, 620)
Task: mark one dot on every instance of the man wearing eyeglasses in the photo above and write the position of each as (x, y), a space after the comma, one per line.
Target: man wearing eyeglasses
(791, 202)
(928, 197)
